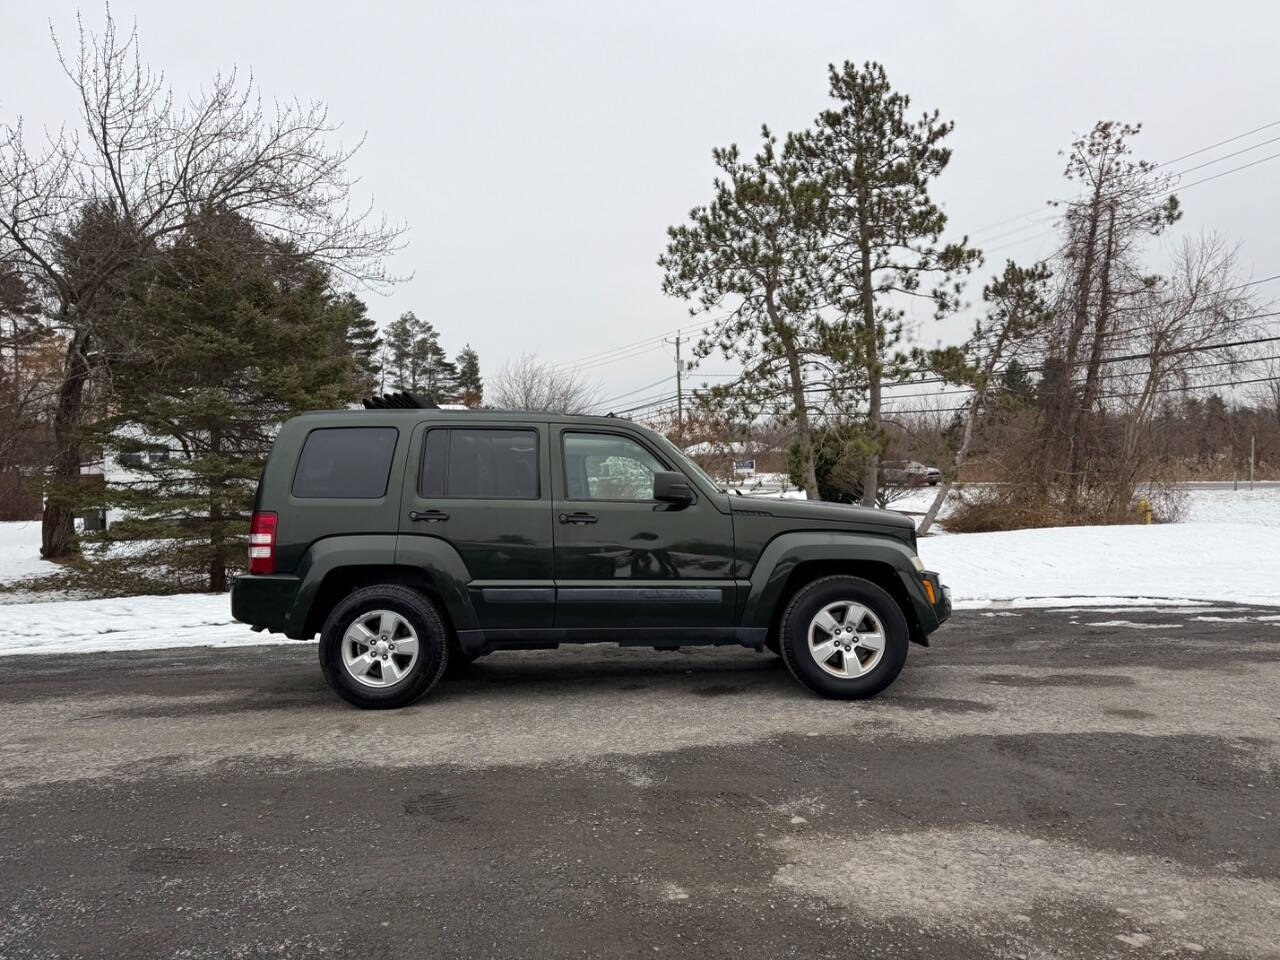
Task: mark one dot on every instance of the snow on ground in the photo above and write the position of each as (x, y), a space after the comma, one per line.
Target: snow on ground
(20, 552)
(1225, 505)
(125, 623)
(1228, 552)
(1231, 562)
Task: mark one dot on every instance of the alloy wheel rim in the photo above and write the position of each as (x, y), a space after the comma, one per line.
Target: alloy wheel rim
(379, 648)
(846, 639)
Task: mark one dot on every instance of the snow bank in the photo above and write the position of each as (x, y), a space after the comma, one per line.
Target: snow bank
(1230, 562)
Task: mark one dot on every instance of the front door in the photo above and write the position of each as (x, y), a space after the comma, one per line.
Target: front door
(485, 490)
(624, 560)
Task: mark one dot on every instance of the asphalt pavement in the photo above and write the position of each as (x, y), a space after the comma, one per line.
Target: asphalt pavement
(1079, 783)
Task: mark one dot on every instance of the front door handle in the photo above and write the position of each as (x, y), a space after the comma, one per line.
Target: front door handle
(578, 517)
(428, 516)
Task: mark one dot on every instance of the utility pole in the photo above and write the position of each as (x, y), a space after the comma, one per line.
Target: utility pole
(1252, 438)
(679, 391)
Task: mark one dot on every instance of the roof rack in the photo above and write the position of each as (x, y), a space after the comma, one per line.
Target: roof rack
(398, 401)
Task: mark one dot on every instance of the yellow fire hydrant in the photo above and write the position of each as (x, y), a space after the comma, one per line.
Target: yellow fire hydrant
(1144, 511)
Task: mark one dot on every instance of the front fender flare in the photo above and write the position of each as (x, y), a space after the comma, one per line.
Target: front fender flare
(787, 551)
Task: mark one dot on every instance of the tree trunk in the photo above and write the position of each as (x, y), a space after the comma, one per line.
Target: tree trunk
(58, 529)
(217, 531)
(871, 476)
(804, 432)
(975, 410)
(971, 422)
(1089, 396)
(1061, 421)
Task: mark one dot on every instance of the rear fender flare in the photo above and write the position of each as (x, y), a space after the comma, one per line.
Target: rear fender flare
(435, 558)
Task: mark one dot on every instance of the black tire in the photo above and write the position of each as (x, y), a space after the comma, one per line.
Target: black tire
(433, 641)
(794, 636)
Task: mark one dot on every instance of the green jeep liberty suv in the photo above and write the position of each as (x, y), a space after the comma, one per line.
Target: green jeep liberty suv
(409, 538)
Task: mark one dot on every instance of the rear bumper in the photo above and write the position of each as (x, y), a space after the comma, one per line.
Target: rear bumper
(263, 601)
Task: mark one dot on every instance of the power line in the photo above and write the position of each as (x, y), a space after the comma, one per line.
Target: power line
(1222, 143)
(1163, 163)
(1142, 213)
(605, 403)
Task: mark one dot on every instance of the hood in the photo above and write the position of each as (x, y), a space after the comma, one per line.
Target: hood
(822, 512)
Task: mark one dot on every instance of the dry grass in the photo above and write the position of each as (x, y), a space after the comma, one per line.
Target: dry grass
(1018, 507)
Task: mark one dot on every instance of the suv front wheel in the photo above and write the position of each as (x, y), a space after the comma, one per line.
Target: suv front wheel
(844, 637)
(383, 646)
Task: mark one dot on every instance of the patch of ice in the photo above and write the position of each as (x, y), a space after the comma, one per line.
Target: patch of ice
(1131, 623)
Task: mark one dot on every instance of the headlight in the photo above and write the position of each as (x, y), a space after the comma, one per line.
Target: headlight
(917, 563)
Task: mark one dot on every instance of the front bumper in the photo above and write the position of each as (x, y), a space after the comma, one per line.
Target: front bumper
(930, 601)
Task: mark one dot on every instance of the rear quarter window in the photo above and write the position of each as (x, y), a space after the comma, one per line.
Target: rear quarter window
(352, 463)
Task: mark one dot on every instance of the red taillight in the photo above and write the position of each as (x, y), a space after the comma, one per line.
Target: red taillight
(262, 543)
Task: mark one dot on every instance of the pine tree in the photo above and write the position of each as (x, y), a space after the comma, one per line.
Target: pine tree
(436, 377)
(241, 334)
(470, 386)
(883, 227)
(401, 334)
(363, 341)
(755, 249)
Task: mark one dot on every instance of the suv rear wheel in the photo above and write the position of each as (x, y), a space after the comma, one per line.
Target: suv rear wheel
(383, 646)
(844, 637)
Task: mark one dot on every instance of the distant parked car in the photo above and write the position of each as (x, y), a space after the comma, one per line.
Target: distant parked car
(909, 473)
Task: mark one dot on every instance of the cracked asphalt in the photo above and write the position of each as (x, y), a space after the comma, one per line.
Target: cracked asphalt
(1075, 783)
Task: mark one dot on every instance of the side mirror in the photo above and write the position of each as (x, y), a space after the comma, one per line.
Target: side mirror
(672, 487)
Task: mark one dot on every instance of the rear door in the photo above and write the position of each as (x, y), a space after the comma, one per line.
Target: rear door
(622, 559)
(485, 489)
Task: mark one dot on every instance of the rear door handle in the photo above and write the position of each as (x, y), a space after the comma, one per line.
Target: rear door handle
(428, 516)
(578, 517)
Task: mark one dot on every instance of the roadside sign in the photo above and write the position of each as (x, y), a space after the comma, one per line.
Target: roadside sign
(744, 467)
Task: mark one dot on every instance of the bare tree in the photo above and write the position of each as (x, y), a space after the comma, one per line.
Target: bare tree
(153, 162)
(529, 384)
(1176, 335)
(1123, 202)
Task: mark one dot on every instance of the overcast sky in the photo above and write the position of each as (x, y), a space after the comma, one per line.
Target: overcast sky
(538, 151)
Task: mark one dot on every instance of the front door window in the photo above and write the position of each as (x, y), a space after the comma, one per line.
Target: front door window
(603, 466)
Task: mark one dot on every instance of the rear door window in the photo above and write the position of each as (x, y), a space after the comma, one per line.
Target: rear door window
(351, 463)
(482, 464)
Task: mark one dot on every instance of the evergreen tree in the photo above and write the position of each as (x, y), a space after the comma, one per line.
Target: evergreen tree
(436, 377)
(883, 229)
(418, 363)
(470, 386)
(363, 341)
(401, 334)
(242, 333)
(750, 257)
